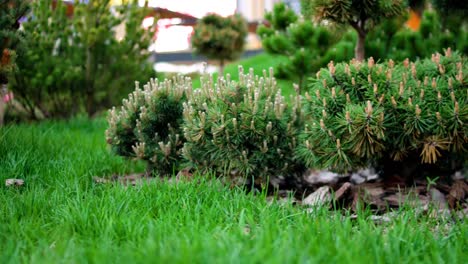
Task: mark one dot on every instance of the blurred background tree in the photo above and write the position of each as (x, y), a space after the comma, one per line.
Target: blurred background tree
(220, 38)
(453, 13)
(74, 62)
(362, 16)
(11, 11)
(111, 64)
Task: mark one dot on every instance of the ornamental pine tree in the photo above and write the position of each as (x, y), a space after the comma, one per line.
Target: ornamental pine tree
(74, 63)
(47, 77)
(220, 38)
(110, 64)
(148, 125)
(244, 128)
(408, 119)
(361, 15)
(307, 46)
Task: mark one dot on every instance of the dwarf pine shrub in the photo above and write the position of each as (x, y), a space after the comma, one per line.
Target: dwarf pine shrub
(242, 127)
(148, 125)
(402, 117)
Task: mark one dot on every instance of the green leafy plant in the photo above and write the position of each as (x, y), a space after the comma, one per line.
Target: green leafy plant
(407, 118)
(220, 38)
(148, 125)
(242, 127)
(308, 47)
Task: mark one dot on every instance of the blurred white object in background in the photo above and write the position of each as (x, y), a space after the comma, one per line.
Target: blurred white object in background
(184, 68)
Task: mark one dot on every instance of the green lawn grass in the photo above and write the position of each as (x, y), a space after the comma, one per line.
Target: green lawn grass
(61, 216)
(258, 63)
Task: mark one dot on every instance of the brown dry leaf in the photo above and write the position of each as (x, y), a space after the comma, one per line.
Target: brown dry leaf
(457, 193)
(396, 199)
(14, 182)
(184, 175)
(370, 193)
(376, 192)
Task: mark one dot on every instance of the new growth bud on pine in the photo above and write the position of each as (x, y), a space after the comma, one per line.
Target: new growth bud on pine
(386, 115)
(251, 127)
(148, 125)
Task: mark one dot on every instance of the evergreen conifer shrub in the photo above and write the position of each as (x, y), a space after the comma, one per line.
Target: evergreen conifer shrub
(408, 118)
(242, 127)
(148, 125)
(67, 64)
(307, 46)
(220, 38)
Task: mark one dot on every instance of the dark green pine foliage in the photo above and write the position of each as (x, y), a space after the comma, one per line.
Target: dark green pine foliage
(361, 15)
(11, 11)
(148, 125)
(47, 80)
(453, 14)
(408, 118)
(110, 63)
(243, 128)
(220, 38)
(308, 47)
(392, 40)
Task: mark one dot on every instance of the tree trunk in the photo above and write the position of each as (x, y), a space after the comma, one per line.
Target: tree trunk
(221, 68)
(90, 104)
(301, 83)
(359, 53)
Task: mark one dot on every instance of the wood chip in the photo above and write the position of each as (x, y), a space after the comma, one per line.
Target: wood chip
(438, 198)
(321, 197)
(395, 200)
(344, 189)
(457, 193)
(314, 177)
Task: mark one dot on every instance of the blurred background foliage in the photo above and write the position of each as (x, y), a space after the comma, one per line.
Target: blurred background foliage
(423, 28)
(59, 64)
(71, 63)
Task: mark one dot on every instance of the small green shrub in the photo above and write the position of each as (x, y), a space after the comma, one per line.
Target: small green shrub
(148, 125)
(407, 118)
(243, 127)
(307, 46)
(220, 38)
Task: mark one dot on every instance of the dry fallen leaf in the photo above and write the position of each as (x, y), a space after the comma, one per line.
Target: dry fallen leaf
(14, 182)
